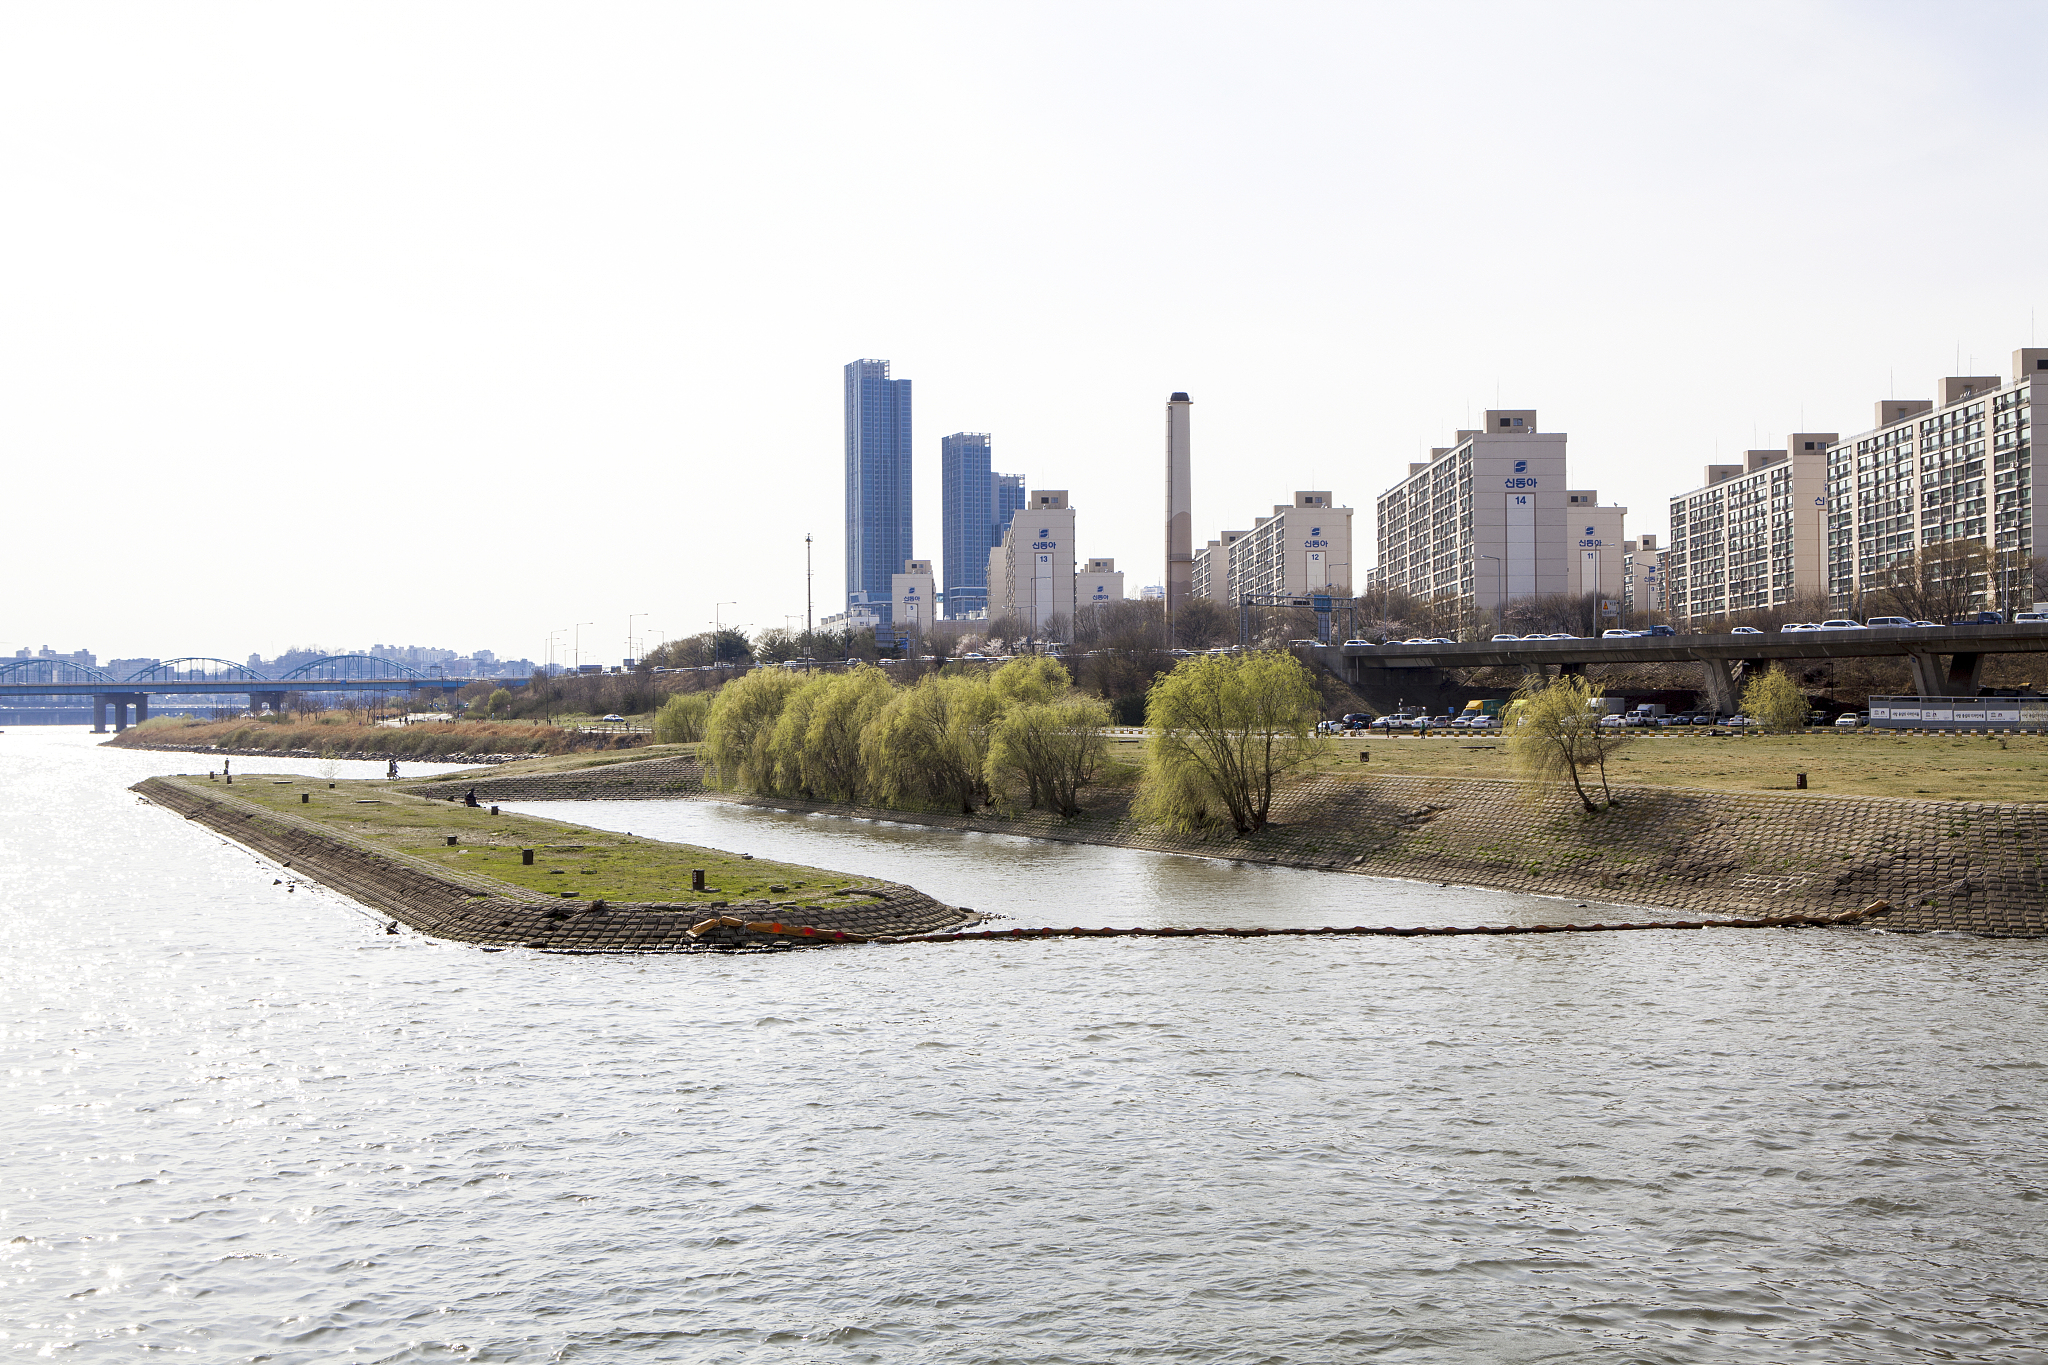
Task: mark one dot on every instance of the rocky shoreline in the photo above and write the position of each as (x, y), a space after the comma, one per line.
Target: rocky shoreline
(493, 914)
(360, 755)
(1975, 867)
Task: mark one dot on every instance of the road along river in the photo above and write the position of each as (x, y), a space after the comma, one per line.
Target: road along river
(243, 1122)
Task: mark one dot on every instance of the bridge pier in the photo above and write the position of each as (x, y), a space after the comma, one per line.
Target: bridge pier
(274, 700)
(99, 714)
(1963, 676)
(1720, 686)
(141, 707)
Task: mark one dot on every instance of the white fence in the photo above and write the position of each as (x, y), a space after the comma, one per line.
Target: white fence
(1959, 713)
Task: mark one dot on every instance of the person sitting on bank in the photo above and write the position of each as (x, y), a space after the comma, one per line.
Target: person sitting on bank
(469, 797)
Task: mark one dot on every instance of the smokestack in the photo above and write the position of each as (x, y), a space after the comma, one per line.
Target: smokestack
(1180, 521)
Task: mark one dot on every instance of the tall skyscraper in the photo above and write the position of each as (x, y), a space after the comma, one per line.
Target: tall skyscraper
(1009, 500)
(877, 483)
(967, 501)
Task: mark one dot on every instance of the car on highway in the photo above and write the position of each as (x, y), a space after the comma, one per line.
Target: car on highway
(1928, 625)
(1788, 628)
(1664, 631)
(1883, 622)
(1979, 618)
(2030, 618)
(1499, 638)
(1843, 624)
(1440, 640)
(1358, 644)
(1618, 634)
(1745, 630)
(615, 716)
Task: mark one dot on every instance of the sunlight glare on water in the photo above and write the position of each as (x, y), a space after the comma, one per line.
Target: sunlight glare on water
(243, 1123)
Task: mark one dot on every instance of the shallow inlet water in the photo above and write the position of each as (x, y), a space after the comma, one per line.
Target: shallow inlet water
(242, 1123)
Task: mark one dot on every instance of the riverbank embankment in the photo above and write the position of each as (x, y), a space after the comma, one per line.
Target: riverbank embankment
(472, 742)
(455, 873)
(1976, 867)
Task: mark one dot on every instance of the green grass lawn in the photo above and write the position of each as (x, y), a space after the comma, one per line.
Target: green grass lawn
(1855, 763)
(586, 863)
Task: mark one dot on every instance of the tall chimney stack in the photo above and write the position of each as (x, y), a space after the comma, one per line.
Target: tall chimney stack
(1180, 520)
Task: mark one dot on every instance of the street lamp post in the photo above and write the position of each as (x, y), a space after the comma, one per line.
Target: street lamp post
(578, 643)
(630, 653)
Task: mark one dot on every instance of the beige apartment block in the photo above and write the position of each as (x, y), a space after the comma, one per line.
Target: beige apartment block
(1099, 584)
(1597, 547)
(1642, 579)
(1752, 535)
(1959, 467)
(1212, 568)
(915, 595)
(1302, 548)
(1484, 519)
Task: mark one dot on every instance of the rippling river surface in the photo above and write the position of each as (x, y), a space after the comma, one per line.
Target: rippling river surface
(242, 1123)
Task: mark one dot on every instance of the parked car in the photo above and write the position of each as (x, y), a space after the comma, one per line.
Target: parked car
(1745, 630)
(1680, 718)
(1357, 720)
(1613, 722)
(1618, 634)
(1842, 624)
(1483, 723)
(1737, 722)
(1849, 720)
(615, 716)
(1884, 622)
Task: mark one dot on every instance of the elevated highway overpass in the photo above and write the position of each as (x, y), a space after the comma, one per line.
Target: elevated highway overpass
(195, 677)
(1946, 661)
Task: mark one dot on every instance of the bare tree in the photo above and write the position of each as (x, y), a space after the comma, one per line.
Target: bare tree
(1937, 582)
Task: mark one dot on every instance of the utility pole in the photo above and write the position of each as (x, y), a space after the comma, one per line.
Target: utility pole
(579, 643)
(629, 635)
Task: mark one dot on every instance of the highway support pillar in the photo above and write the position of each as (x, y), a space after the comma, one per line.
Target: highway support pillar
(1961, 678)
(99, 714)
(141, 707)
(1720, 686)
(120, 703)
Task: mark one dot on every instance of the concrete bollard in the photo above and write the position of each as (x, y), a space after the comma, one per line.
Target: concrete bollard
(1365, 755)
(494, 810)
(305, 798)
(697, 879)
(526, 857)
(451, 841)
(1799, 781)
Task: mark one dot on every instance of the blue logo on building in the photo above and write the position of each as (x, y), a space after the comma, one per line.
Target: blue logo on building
(1521, 466)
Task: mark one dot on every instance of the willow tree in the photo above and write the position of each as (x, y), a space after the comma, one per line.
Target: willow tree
(1554, 737)
(1226, 730)
(1033, 678)
(930, 742)
(785, 758)
(737, 749)
(680, 719)
(1774, 700)
(1051, 750)
(832, 758)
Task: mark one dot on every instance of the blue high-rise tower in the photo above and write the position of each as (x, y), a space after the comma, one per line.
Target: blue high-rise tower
(968, 510)
(1009, 498)
(877, 483)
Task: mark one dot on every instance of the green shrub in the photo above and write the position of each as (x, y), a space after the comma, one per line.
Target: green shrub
(681, 718)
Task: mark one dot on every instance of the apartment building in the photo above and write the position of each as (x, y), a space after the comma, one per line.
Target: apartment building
(915, 597)
(1031, 573)
(1099, 584)
(1212, 567)
(1752, 535)
(1960, 468)
(1303, 547)
(1484, 519)
(1597, 546)
(1642, 578)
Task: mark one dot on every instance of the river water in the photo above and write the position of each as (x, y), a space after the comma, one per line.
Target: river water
(241, 1123)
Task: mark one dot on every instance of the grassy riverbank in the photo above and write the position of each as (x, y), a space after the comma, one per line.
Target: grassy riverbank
(589, 863)
(422, 742)
(1857, 763)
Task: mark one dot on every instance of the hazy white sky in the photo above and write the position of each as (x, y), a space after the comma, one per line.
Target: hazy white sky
(453, 324)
